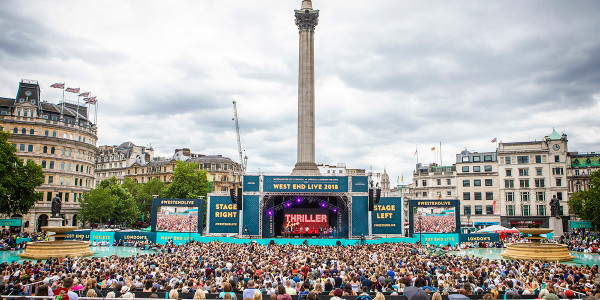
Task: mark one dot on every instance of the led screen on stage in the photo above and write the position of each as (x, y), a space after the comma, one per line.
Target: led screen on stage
(177, 219)
(303, 219)
(434, 220)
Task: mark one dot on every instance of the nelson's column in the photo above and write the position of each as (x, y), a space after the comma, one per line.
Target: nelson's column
(306, 19)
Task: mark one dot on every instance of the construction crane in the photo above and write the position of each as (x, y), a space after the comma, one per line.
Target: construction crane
(243, 157)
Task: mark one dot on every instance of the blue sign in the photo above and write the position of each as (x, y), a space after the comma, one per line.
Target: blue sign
(82, 235)
(387, 216)
(223, 216)
(305, 184)
(251, 183)
(177, 238)
(360, 184)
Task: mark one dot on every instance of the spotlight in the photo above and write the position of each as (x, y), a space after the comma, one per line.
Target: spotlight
(335, 210)
(270, 212)
(299, 200)
(288, 204)
(323, 205)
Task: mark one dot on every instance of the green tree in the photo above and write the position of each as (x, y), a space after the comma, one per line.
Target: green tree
(586, 204)
(109, 203)
(146, 192)
(17, 180)
(188, 182)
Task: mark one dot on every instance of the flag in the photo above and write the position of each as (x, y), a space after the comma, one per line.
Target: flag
(86, 94)
(90, 100)
(432, 148)
(439, 196)
(416, 152)
(402, 178)
(494, 140)
(58, 86)
(72, 90)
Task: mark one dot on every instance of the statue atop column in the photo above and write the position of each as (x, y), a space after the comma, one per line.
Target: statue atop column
(56, 206)
(554, 207)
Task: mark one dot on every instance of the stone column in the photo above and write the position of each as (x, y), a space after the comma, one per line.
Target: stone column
(306, 20)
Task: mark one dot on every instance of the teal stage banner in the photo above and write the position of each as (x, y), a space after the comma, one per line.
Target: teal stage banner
(251, 183)
(10, 222)
(479, 237)
(440, 239)
(223, 216)
(387, 216)
(178, 238)
(360, 184)
(82, 235)
(102, 236)
(305, 184)
(581, 224)
(136, 236)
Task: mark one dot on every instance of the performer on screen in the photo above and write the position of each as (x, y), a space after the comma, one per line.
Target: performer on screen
(306, 231)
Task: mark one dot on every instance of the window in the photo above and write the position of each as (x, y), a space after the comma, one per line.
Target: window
(62, 165)
(538, 159)
(539, 182)
(541, 210)
(524, 183)
(439, 182)
(68, 166)
(507, 159)
(509, 183)
(556, 158)
(424, 194)
(424, 181)
(62, 180)
(449, 193)
(51, 165)
(53, 133)
(43, 164)
(45, 149)
(522, 159)
(478, 210)
(487, 158)
(489, 195)
(489, 209)
(487, 168)
(67, 194)
(48, 196)
(576, 172)
(558, 182)
(466, 196)
(525, 196)
(525, 210)
(477, 182)
(488, 182)
(466, 182)
(477, 195)
(23, 131)
(538, 172)
(46, 133)
(510, 209)
(557, 171)
(465, 159)
(449, 181)
(21, 147)
(476, 158)
(510, 196)
(465, 169)
(467, 209)
(523, 172)
(509, 172)
(50, 179)
(540, 196)
(52, 150)
(561, 210)
(559, 195)
(15, 130)
(29, 148)
(476, 169)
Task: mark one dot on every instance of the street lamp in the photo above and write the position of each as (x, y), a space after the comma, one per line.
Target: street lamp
(190, 229)
(421, 229)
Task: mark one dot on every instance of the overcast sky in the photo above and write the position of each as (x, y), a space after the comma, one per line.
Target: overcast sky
(390, 75)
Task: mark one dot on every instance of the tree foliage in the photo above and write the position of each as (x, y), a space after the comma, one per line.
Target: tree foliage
(109, 203)
(17, 180)
(144, 192)
(586, 204)
(188, 182)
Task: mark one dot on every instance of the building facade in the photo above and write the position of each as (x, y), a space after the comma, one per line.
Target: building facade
(58, 137)
(477, 188)
(434, 182)
(223, 173)
(113, 161)
(580, 168)
(530, 175)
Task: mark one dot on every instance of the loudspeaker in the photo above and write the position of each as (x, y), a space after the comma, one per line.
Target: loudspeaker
(377, 195)
(370, 199)
(240, 198)
(232, 195)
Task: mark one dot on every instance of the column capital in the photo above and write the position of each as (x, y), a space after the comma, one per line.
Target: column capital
(307, 19)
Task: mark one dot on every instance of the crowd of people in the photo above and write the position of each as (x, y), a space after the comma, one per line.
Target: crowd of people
(435, 223)
(582, 240)
(17, 241)
(238, 271)
(177, 222)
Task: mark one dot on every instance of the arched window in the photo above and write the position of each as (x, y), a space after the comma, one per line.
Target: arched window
(29, 148)
(45, 149)
(46, 133)
(15, 130)
(31, 131)
(51, 165)
(23, 131)
(43, 164)
(52, 150)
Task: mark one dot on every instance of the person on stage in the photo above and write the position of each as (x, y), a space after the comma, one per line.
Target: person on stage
(306, 231)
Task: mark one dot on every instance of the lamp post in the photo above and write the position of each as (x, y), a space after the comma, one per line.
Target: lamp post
(190, 229)
(421, 229)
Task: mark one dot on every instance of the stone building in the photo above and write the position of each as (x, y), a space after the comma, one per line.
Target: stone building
(580, 167)
(434, 182)
(477, 188)
(112, 161)
(58, 137)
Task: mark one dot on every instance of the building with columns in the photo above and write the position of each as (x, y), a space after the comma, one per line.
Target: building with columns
(58, 137)
(434, 182)
(113, 161)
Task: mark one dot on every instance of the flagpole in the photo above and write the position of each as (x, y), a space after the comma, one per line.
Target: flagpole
(96, 112)
(62, 108)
